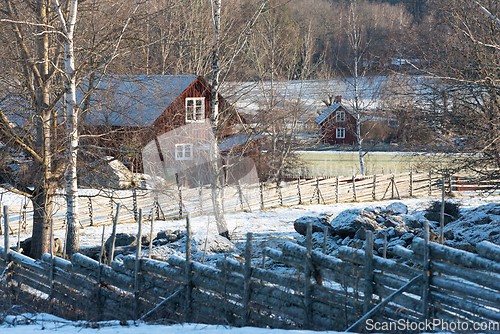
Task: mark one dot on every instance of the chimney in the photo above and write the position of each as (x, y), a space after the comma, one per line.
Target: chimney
(338, 98)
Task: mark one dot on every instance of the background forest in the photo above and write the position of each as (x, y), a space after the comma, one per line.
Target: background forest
(303, 39)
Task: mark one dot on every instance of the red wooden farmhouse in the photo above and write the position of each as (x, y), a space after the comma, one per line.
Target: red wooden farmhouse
(337, 124)
(128, 112)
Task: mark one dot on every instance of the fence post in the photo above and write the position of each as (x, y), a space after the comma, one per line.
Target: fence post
(392, 186)
(278, 190)
(138, 265)
(298, 191)
(354, 188)
(430, 182)
(368, 272)
(179, 193)
(200, 198)
(325, 239)
(51, 274)
(188, 269)
(240, 195)
(336, 189)
(441, 230)
(91, 212)
(261, 197)
(426, 273)
(134, 198)
(307, 276)
(98, 297)
(151, 231)
(411, 182)
(19, 232)
(113, 235)
(374, 194)
(247, 277)
(25, 218)
(6, 232)
(264, 255)
(100, 258)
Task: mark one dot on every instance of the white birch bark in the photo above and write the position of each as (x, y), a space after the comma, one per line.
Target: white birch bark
(355, 40)
(215, 169)
(72, 241)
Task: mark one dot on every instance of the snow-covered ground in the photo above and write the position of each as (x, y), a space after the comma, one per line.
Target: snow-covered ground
(269, 225)
(39, 323)
(272, 227)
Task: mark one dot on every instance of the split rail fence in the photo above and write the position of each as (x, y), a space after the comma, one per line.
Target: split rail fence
(316, 291)
(98, 210)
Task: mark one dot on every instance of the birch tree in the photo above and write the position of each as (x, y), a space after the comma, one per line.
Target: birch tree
(38, 37)
(355, 42)
(215, 120)
(68, 30)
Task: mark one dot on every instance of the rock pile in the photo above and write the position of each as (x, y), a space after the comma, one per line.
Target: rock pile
(391, 224)
(167, 243)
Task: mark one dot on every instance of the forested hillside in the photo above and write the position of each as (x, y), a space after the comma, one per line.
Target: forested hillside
(302, 39)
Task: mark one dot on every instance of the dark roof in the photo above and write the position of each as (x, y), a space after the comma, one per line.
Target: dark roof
(237, 140)
(136, 100)
(330, 110)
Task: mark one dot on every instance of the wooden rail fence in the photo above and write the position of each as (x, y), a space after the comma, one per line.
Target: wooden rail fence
(98, 209)
(175, 203)
(316, 291)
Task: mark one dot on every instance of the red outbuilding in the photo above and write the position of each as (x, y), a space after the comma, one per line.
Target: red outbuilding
(337, 124)
(128, 112)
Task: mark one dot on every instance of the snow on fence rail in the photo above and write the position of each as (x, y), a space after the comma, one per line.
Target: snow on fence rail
(317, 292)
(175, 203)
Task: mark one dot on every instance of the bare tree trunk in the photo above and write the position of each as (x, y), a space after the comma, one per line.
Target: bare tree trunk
(42, 197)
(215, 119)
(72, 239)
(43, 201)
(355, 41)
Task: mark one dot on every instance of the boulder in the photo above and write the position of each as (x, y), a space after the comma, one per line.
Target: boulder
(377, 210)
(411, 221)
(449, 235)
(348, 222)
(126, 240)
(390, 232)
(214, 243)
(400, 230)
(170, 236)
(111, 174)
(26, 246)
(408, 237)
(360, 234)
(394, 243)
(378, 244)
(397, 208)
(318, 225)
(163, 234)
(393, 221)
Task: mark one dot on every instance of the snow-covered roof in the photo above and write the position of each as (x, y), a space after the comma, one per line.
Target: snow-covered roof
(136, 100)
(235, 141)
(330, 110)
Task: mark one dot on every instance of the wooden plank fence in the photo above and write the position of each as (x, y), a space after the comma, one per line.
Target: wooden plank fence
(98, 209)
(317, 291)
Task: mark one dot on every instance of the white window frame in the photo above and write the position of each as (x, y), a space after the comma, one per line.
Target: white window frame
(340, 116)
(183, 149)
(340, 133)
(197, 114)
